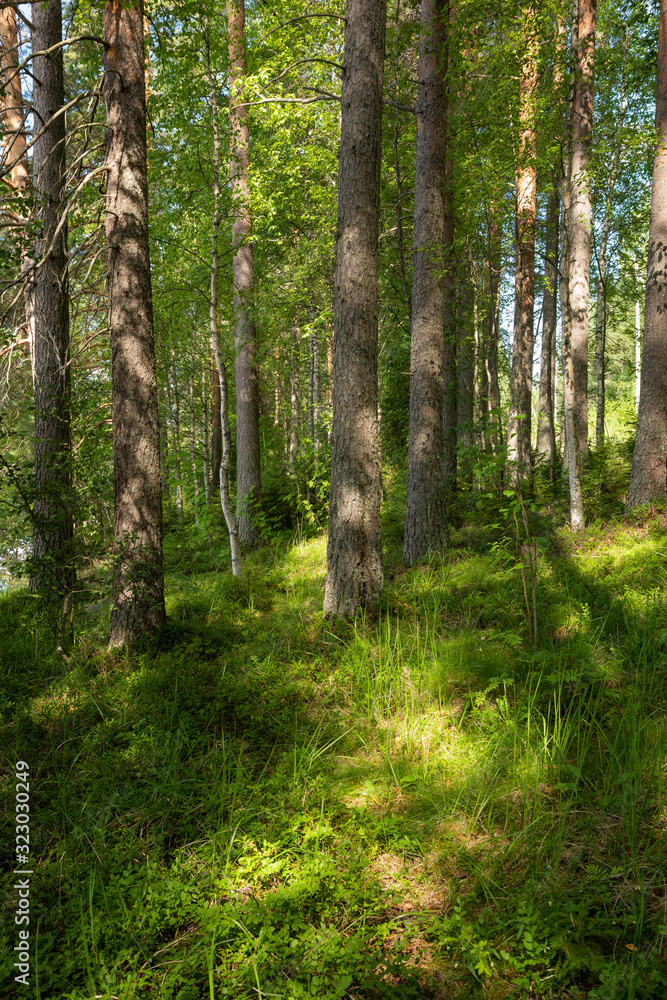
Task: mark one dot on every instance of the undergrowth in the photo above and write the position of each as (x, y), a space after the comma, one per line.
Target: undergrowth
(255, 804)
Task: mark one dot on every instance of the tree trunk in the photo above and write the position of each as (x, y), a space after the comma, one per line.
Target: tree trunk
(176, 413)
(648, 476)
(13, 126)
(53, 525)
(216, 428)
(580, 219)
(354, 548)
(248, 472)
(138, 586)
(426, 517)
(204, 435)
(226, 458)
(495, 235)
(465, 375)
(521, 387)
(294, 398)
(193, 435)
(546, 423)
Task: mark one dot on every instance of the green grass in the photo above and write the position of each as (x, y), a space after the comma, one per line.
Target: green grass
(256, 804)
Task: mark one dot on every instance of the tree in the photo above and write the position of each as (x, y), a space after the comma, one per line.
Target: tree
(138, 587)
(546, 424)
(518, 435)
(53, 522)
(580, 220)
(248, 471)
(648, 475)
(426, 518)
(223, 471)
(354, 548)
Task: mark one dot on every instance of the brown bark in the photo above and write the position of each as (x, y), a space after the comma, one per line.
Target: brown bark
(648, 476)
(138, 586)
(580, 219)
(465, 375)
(546, 424)
(521, 383)
(426, 517)
(13, 126)
(248, 471)
(53, 526)
(354, 548)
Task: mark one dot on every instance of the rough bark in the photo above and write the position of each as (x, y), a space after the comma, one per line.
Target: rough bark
(426, 518)
(546, 423)
(248, 472)
(648, 476)
(12, 110)
(521, 382)
(580, 219)
(138, 586)
(226, 437)
(354, 548)
(53, 525)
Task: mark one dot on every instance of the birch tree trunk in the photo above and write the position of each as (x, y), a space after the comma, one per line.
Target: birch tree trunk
(53, 524)
(546, 423)
(521, 384)
(648, 476)
(426, 518)
(354, 548)
(226, 457)
(494, 235)
(193, 433)
(248, 471)
(138, 586)
(580, 219)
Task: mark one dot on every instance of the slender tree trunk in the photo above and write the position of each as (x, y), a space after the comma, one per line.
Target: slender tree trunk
(226, 458)
(648, 476)
(193, 434)
(248, 472)
(205, 437)
(571, 450)
(426, 518)
(521, 387)
(294, 398)
(638, 357)
(495, 233)
(53, 525)
(138, 587)
(354, 549)
(546, 423)
(580, 219)
(216, 429)
(465, 373)
(400, 239)
(176, 412)
(449, 374)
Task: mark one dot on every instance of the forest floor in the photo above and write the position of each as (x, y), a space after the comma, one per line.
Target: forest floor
(421, 805)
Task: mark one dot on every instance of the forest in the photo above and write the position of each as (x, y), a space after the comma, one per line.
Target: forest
(333, 499)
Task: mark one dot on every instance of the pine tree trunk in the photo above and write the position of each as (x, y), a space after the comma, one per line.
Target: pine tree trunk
(426, 517)
(465, 373)
(138, 587)
(546, 424)
(354, 548)
(226, 438)
(53, 524)
(648, 476)
(521, 386)
(14, 154)
(248, 471)
(580, 219)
